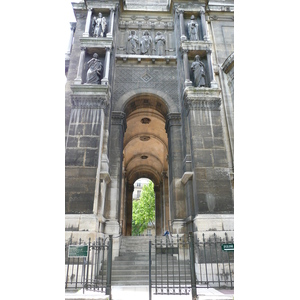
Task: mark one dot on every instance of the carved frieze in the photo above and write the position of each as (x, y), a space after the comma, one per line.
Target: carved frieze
(201, 99)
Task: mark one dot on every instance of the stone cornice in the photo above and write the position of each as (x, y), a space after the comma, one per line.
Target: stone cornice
(90, 96)
(201, 99)
(195, 45)
(96, 42)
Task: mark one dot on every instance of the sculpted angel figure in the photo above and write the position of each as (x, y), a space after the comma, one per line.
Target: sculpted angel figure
(198, 69)
(93, 75)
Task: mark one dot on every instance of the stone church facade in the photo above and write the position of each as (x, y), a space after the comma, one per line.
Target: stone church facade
(150, 94)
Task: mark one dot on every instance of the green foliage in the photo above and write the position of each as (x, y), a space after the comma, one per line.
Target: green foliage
(143, 210)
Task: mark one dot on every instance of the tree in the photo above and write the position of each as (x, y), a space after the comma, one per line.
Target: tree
(143, 210)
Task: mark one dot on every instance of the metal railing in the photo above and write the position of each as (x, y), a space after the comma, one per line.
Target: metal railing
(91, 269)
(180, 266)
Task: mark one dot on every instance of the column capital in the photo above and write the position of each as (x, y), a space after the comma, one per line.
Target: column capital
(82, 48)
(173, 119)
(119, 118)
(184, 51)
(208, 51)
(90, 9)
(179, 11)
(202, 10)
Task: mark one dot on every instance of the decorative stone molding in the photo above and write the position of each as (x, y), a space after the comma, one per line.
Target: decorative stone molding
(90, 96)
(173, 119)
(201, 99)
(119, 118)
(195, 46)
(228, 63)
(100, 42)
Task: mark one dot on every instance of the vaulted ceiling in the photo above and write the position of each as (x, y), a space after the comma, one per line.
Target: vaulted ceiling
(145, 145)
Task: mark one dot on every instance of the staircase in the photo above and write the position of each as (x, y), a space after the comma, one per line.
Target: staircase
(131, 268)
(132, 265)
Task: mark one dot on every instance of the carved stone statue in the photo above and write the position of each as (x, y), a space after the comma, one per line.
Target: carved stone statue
(99, 26)
(193, 29)
(133, 42)
(160, 43)
(145, 42)
(94, 73)
(198, 69)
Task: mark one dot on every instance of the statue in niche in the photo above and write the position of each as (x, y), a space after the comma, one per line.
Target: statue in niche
(146, 42)
(198, 69)
(93, 75)
(133, 42)
(160, 41)
(99, 26)
(193, 29)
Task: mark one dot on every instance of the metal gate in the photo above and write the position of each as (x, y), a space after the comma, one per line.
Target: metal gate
(179, 266)
(88, 266)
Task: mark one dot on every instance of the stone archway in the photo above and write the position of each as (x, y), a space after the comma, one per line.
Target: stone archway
(145, 154)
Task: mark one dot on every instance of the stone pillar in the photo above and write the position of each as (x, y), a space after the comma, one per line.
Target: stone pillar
(211, 183)
(203, 24)
(97, 185)
(128, 212)
(111, 21)
(165, 200)
(187, 79)
(88, 23)
(213, 83)
(72, 30)
(78, 79)
(118, 127)
(176, 189)
(158, 211)
(104, 80)
(182, 29)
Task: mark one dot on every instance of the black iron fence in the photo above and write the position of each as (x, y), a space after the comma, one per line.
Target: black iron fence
(88, 266)
(180, 266)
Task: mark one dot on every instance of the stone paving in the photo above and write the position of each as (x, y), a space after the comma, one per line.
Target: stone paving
(142, 293)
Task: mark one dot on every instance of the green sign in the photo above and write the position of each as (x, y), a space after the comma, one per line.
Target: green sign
(78, 251)
(228, 247)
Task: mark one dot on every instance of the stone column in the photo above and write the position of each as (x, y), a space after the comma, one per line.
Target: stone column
(128, 213)
(78, 79)
(187, 79)
(203, 24)
(165, 200)
(111, 20)
(97, 185)
(213, 83)
(72, 30)
(176, 189)
(118, 127)
(182, 29)
(88, 23)
(158, 211)
(104, 80)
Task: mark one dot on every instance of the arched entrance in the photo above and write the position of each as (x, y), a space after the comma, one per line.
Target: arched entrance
(145, 154)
